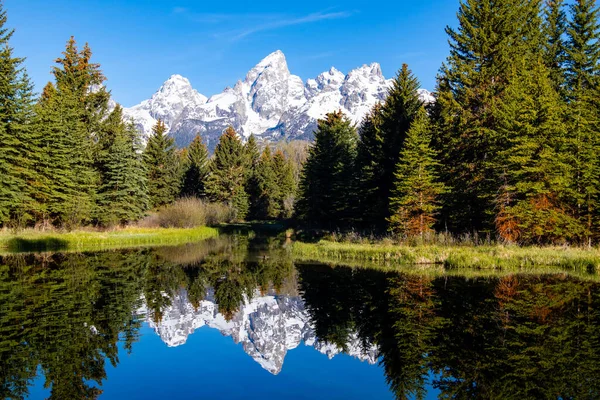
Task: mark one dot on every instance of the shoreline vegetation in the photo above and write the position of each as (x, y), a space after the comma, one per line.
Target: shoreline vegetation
(452, 257)
(89, 240)
(446, 258)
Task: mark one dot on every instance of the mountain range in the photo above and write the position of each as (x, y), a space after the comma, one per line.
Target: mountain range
(269, 102)
(266, 326)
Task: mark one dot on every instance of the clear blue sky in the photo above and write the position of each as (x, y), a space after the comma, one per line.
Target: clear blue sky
(141, 43)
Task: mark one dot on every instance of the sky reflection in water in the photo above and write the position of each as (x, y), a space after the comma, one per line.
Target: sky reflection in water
(235, 318)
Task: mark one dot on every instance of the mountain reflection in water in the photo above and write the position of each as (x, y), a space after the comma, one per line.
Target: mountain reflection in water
(65, 317)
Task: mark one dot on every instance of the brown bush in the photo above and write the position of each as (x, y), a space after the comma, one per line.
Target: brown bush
(189, 212)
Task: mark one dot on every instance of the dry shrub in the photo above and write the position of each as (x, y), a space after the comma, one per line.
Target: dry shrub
(190, 212)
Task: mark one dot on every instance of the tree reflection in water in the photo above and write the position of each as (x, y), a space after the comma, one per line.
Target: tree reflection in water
(517, 336)
(514, 337)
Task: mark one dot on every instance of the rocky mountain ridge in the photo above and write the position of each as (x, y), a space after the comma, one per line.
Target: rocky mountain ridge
(269, 102)
(266, 326)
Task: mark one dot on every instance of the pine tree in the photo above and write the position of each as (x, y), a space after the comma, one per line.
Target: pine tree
(327, 185)
(416, 194)
(491, 36)
(286, 194)
(583, 69)
(536, 177)
(196, 169)
(252, 153)
(266, 206)
(583, 46)
(67, 122)
(16, 145)
(251, 179)
(162, 167)
(369, 165)
(555, 28)
(122, 194)
(382, 138)
(228, 173)
(53, 162)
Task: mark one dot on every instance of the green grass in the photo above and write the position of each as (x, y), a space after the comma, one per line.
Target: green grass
(498, 257)
(30, 240)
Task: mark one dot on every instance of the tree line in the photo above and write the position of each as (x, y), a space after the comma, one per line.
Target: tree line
(509, 149)
(69, 158)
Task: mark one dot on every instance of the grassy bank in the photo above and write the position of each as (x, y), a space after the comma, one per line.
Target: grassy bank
(32, 240)
(496, 257)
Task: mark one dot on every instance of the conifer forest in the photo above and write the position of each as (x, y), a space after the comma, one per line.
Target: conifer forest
(509, 149)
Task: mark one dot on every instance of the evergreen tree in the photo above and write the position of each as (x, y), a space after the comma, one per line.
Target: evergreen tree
(536, 177)
(583, 69)
(162, 166)
(228, 173)
(252, 153)
(68, 119)
(491, 36)
(251, 179)
(122, 193)
(16, 145)
(370, 173)
(327, 186)
(415, 197)
(555, 28)
(286, 194)
(197, 170)
(266, 205)
(382, 138)
(583, 46)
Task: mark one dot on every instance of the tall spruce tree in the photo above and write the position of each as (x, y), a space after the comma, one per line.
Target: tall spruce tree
(162, 166)
(555, 28)
(265, 205)
(369, 163)
(122, 194)
(490, 37)
(286, 194)
(583, 69)
(252, 152)
(16, 145)
(416, 194)
(532, 203)
(197, 171)
(251, 178)
(327, 185)
(228, 173)
(67, 122)
(382, 138)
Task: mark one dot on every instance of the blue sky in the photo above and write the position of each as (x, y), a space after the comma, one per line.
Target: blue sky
(139, 44)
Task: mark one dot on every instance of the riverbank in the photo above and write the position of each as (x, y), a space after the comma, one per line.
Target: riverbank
(452, 257)
(88, 240)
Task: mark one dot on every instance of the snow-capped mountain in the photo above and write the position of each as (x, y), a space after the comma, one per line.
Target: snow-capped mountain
(269, 102)
(266, 326)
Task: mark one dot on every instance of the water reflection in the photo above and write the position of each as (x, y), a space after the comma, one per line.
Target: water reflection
(517, 336)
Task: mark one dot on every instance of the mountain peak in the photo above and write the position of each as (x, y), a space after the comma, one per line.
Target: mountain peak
(276, 57)
(373, 69)
(177, 80)
(335, 71)
(274, 62)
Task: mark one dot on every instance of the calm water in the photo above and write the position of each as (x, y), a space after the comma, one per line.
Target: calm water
(234, 318)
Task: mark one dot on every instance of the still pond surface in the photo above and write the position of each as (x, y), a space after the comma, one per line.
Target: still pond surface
(236, 318)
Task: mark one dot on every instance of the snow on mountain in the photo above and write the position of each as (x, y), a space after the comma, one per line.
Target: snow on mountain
(267, 327)
(269, 102)
(168, 104)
